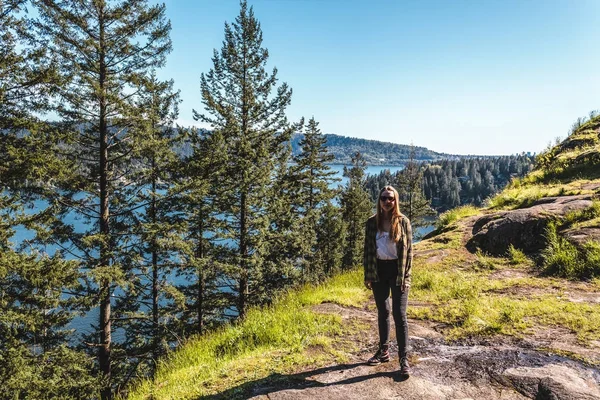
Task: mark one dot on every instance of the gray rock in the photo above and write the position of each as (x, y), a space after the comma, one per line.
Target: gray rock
(523, 228)
(582, 235)
(553, 382)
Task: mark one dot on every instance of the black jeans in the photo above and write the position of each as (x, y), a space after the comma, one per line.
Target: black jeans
(388, 272)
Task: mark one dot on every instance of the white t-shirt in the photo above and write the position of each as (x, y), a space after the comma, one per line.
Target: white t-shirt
(386, 248)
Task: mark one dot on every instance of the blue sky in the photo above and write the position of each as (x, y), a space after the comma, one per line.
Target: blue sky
(462, 77)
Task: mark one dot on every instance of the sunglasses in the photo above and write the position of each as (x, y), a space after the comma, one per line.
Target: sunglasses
(386, 198)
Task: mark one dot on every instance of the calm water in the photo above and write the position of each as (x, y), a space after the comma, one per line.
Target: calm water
(82, 324)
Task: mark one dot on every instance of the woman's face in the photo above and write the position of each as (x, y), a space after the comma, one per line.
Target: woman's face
(387, 200)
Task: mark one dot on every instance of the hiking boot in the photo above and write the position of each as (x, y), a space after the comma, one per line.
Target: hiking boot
(404, 367)
(382, 355)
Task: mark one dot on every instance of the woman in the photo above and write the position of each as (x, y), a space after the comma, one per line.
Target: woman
(387, 263)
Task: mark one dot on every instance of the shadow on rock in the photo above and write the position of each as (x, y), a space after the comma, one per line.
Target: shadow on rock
(278, 382)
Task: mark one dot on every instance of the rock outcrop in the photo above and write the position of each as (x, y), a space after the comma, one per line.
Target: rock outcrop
(524, 228)
(582, 235)
(553, 381)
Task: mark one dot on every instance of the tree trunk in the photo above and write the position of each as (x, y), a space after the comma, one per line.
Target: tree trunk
(105, 289)
(155, 327)
(243, 288)
(201, 283)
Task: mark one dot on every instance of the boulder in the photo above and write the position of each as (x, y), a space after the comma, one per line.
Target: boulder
(553, 382)
(523, 228)
(582, 235)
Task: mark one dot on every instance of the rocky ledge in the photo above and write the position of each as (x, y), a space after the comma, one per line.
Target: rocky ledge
(525, 228)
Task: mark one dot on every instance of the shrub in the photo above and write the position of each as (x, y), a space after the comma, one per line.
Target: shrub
(484, 261)
(591, 256)
(560, 257)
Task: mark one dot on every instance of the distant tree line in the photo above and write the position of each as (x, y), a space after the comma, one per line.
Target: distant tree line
(374, 152)
(153, 242)
(469, 180)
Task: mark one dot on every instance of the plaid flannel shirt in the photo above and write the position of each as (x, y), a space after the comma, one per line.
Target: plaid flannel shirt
(403, 248)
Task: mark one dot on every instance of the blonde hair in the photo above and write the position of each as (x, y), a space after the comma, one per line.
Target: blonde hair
(395, 226)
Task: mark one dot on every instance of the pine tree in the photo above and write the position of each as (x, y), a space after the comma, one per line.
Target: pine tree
(286, 244)
(312, 168)
(313, 179)
(25, 70)
(34, 310)
(357, 207)
(413, 202)
(237, 95)
(197, 208)
(142, 311)
(34, 313)
(104, 50)
(331, 238)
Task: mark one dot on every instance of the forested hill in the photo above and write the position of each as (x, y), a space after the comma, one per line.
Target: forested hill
(373, 151)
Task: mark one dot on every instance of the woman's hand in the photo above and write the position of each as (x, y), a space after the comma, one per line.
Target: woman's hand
(368, 285)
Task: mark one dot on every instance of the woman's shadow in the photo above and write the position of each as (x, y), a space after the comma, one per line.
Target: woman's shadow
(277, 382)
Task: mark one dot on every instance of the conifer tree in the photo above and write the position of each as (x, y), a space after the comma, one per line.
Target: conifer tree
(331, 239)
(34, 306)
(142, 312)
(288, 241)
(197, 208)
(240, 105)
(409, 184)
(357, 207)
(312, 168)
(313, 177)
(34, 313)
(25, 70)
(103, 51)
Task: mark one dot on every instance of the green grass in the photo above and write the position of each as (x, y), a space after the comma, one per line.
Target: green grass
(520, 194)
(564, 259)
(484, 261)
(270, 340)
(587, 224)
(587, 214)
(345, 289)
(517, 257)
(473, 303)
(451, 216)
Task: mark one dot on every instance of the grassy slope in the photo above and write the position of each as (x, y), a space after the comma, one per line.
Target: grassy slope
(472, 294)
(569, 168)
(278, 339)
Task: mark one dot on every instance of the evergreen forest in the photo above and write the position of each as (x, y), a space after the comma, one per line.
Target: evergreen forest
(450, 183)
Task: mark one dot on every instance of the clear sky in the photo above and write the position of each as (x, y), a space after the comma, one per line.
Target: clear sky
(461, 77)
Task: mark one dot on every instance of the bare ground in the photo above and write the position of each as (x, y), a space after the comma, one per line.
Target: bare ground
(503, 368)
